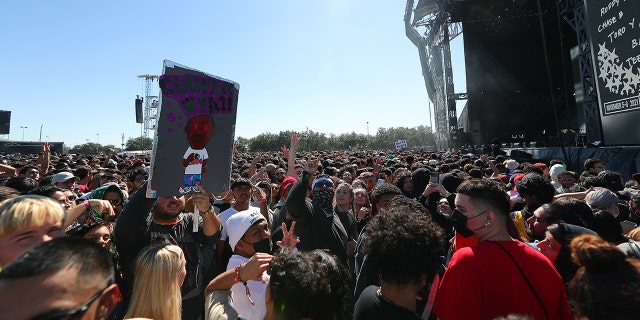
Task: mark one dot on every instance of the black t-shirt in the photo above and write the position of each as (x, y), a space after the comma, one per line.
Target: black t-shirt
(371, 305)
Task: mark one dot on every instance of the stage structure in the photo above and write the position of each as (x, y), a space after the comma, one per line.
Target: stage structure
(572, 12)
(429, 27)
(531, 70)
(150, 114)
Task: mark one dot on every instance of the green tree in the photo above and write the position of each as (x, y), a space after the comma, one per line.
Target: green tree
(139, 143)
(91, 148)
(242, 144)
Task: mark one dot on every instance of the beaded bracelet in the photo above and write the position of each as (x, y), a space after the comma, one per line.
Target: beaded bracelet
(202, 214)
(237, 274)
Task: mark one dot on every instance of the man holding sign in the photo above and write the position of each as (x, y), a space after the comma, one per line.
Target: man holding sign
(175, 205)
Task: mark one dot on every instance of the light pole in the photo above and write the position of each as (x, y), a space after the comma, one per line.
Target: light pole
(97, 134)
(23, 131)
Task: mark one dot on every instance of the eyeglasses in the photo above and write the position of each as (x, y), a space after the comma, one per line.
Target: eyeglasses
(115, 202)
(361, 194)
(72, 198)
(72, 314)
(141, 178)
(279, 173)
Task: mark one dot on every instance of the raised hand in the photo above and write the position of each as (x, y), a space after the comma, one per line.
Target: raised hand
(289, 239)
(295, 140)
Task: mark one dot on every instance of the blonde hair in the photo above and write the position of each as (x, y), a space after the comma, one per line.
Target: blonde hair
(156, 291)
(634, 234)
(27, 211)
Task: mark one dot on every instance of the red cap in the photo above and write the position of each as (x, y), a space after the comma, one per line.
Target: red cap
(540, 165)
(286, 184)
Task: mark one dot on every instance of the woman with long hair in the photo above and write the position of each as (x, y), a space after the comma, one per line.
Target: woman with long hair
(160, 271)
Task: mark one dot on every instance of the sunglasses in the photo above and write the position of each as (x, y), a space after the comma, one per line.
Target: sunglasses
(116, 202)
(142, 178)
(72, 314)
(321, 184)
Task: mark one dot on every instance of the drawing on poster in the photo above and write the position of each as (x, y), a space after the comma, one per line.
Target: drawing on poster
(199, 130)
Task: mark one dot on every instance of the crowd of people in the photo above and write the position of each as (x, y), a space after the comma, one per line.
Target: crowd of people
(357, 234)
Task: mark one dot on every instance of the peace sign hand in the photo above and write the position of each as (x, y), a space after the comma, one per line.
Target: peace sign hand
(289, 239)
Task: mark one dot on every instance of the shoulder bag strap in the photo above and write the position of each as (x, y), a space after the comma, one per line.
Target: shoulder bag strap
(525, 278)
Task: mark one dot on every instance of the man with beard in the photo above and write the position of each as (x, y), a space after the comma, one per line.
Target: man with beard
(544, 216)
(149, 221)
(318, 226)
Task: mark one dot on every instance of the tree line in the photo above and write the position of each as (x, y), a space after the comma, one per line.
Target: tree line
(384, 138)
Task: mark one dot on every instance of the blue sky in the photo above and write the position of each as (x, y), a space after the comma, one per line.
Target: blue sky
(331, 66)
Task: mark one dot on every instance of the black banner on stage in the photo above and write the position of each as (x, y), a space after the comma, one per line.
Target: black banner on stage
(615, 45)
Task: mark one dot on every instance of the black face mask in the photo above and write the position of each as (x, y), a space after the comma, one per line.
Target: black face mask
(459, 222)
(263, 246)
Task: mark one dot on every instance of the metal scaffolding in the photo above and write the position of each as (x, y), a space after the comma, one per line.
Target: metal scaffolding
(574, 14)
(429, 27)
(150, 114)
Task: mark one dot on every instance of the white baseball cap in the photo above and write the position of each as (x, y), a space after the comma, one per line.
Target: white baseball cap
(239, 223)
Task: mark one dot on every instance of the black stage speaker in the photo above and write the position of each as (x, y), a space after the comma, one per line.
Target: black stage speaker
(5, 122)
(507, 81)
(139, 118)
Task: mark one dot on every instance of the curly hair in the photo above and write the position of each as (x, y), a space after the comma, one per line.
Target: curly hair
(298, 278)
(606, 284)
(385, 189)
(535, 184)
(404, 246)
(398, 180)
(403, 202)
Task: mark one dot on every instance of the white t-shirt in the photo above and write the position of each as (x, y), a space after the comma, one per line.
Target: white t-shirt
(258, 290)
(195, 167)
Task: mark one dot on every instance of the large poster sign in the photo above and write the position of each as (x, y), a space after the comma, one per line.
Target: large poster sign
(195, 133)
(615, 46)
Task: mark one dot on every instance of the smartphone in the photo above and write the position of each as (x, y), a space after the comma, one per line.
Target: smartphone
(435, 177)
